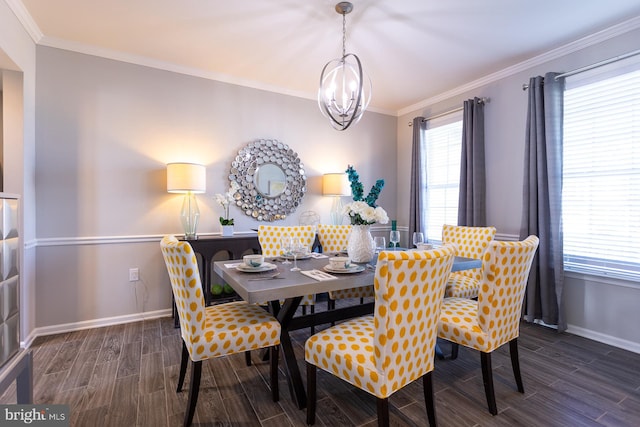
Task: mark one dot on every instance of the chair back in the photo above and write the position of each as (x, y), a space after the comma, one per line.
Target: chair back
(505, 271)
(182, 266)
(471, 242)
(269, 237)
(409, 288)
(333, 238)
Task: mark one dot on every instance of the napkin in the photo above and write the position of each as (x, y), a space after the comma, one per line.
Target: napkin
(318, 275)
(232, 264)
(318, 255)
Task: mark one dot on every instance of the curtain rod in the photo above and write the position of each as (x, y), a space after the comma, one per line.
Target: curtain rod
(455, 110)
(525, 86)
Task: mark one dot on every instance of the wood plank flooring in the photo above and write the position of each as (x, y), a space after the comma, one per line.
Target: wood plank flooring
(125, 375)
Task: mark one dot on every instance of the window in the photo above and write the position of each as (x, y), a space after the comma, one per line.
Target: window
(601, 171)
(440, 178)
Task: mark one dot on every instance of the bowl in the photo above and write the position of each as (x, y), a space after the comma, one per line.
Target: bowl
(253, 261)
(340, 262)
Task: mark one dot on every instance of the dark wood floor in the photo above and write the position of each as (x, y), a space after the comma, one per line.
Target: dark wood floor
(126, 375)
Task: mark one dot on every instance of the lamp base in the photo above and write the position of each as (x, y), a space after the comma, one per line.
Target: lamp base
(189, 216)
(336, 211)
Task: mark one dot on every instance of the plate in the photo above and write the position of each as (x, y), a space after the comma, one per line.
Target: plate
(264, 267)
(352, 269)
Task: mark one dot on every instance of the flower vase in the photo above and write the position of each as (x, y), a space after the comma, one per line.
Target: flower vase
(360, 246)
(227, 230)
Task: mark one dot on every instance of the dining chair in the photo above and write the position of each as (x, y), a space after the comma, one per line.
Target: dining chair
(334, 239)
(270, 236)
(216, 330)
(471, 242)
(494, 319)
(383, 352)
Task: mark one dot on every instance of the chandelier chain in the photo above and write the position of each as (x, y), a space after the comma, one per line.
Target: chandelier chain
(344, 34)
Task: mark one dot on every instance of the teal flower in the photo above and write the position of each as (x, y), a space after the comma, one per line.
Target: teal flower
(357, 190)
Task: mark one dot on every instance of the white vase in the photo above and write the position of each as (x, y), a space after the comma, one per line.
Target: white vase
(227, 230)
(360, 246)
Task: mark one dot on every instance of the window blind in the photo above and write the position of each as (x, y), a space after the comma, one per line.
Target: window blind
(601, 173)
(441, 176)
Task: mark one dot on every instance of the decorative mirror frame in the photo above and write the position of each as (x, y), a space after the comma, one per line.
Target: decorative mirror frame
(244, 169)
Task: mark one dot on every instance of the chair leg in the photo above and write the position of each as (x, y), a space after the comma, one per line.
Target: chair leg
(487, 379)
(311, 394)
(454, 350)
(427, 384)
(247, 358)
(312, 308)
(273, 358)
(383, 411)
(196, 370)
(515, 363)
(183, 366)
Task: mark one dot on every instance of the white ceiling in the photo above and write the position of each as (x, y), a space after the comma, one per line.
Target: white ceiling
(412, 50)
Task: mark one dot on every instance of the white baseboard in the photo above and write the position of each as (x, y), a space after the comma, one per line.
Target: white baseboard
(96, 323)
(604, 338)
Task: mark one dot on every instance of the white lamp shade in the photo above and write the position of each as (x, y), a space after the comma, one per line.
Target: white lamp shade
(186, 177)
(336, 184)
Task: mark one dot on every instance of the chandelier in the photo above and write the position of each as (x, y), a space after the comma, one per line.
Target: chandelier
(345, 91)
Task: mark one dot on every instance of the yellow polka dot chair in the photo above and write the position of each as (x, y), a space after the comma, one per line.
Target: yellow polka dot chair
(471, 242)
(217, 330)
(270, 236)
(383, 352)
(494, 319)
(334, 239)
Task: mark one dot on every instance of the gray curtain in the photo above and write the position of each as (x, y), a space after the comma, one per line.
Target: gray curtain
(415, 197)
(472, 207)
(542, 204)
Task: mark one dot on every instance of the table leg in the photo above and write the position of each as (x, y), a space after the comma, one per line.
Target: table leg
(206, 280)
(294, 377)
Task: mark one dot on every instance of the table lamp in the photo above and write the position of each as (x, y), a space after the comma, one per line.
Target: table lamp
(188, 179)
(336, 185)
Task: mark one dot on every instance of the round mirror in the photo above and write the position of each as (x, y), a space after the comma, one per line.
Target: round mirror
(271, 180)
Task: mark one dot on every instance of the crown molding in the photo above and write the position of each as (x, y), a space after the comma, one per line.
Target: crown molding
(30, 26)
(590, 40)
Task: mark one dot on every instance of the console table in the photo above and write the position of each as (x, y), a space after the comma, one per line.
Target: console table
(229, 247)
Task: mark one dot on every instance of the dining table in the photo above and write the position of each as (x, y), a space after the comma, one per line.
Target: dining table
(275, 282)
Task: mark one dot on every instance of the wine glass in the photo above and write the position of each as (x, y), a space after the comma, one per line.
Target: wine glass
(418, 238)
(394, 237)
(298, 249)
(285, 244)
(380, 243)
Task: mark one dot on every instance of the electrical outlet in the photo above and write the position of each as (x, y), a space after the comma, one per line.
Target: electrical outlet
(134, 274)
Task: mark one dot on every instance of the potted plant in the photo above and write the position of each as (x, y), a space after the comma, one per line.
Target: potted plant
(362, 213)
(225, 201)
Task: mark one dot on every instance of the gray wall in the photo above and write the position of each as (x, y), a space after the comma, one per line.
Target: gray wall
(595, 306)
(106, 129)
